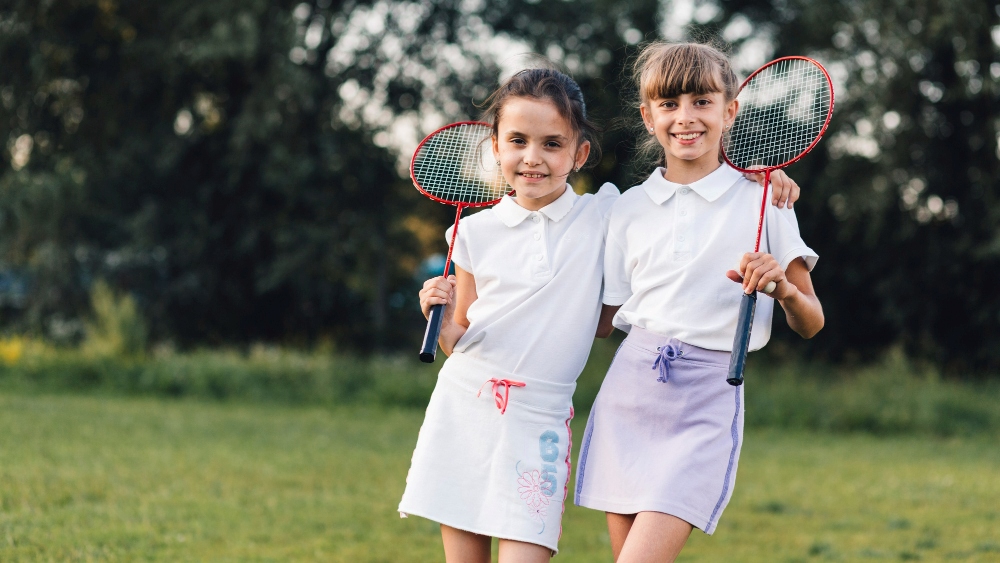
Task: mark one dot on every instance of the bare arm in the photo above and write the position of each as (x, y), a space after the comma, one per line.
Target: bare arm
(604, 326)
(798, 298)
(794, 290)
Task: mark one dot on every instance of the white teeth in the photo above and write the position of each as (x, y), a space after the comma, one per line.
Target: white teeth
(526, 175)
(687, 136)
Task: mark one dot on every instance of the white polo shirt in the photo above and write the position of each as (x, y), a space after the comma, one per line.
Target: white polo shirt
(670, 245)
(538, 280)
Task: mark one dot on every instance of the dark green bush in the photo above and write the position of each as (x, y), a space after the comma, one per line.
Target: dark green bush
(263, 374)
(890, 397)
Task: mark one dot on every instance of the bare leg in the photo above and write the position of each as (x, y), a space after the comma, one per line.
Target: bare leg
(464, 547)
(520, 552)
(654, 537)
(618, 527)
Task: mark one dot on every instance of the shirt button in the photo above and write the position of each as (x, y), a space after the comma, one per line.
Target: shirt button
(684, 213)
(538, 258)
(681, 238)
(685, 190)
(537, 236)
(535, 218)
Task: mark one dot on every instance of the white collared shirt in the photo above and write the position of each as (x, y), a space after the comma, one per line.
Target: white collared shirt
(670, 245)
(538, 280)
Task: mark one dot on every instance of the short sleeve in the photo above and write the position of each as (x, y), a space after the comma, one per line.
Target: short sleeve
(783, 239)
(460, 254)
(617, 283)
(606, 198)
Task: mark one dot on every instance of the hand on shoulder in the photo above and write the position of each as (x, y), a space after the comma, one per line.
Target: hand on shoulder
(784, 190)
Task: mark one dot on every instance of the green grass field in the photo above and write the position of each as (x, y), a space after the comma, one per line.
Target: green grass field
(125, 479)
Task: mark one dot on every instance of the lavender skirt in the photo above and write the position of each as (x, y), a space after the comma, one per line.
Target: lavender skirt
(664, 434)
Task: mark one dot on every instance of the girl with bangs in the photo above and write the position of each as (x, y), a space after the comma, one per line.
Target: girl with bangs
(662, 444)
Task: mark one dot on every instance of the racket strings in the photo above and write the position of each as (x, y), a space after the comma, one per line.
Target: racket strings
(783, 109)
(455, 165)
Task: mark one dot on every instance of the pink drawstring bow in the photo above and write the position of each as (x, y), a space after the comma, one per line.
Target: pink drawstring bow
(505, 384)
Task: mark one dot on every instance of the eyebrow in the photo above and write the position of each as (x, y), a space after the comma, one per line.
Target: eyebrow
(548, 138)
(693, 94)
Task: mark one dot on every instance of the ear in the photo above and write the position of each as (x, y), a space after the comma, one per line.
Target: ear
(647, 118)
(496, 148)
(582, 153)
(731, 109)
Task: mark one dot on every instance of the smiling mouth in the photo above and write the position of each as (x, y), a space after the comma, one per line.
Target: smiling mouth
(687, 136)
(532, 175)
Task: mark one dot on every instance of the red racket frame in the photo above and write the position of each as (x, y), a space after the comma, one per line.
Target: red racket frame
(460, 206)
(767, 170)
(429, 348)
(744, 323)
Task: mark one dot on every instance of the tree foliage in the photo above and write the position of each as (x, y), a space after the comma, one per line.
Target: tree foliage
(174, 149)
(237, 165)
(901, 202)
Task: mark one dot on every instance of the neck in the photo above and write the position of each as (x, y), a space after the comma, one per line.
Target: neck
(680, 171)
(534, 204)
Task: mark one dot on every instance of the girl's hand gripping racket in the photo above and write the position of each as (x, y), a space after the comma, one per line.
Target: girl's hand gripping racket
(784, 109)
(454, 165)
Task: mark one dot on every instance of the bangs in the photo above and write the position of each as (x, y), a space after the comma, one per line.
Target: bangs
(683, 69)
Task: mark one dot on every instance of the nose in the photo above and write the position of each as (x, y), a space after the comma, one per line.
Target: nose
(684, 113)
(532, 156)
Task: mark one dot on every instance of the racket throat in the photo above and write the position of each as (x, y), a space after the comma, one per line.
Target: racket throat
(763, 209)
(454, 235)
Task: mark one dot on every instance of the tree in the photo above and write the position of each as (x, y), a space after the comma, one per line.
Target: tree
(177, 150)
(239, 166)
(901, 199)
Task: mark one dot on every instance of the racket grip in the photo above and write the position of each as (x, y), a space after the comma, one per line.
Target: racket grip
(429, 349)
(741, 343)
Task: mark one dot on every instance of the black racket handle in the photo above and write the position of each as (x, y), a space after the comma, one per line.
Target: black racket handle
(429, 350)
(742, 341)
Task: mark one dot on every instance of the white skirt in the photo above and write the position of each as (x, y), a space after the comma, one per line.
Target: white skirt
(493, 454)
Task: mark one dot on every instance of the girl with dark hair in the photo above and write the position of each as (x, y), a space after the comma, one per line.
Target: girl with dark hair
(493, 455)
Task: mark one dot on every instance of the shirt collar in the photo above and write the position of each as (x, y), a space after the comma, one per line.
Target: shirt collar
(710, 187)
(511, 214)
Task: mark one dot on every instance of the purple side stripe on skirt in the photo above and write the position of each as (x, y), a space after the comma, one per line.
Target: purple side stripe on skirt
(732, 459)
(582, 462)
(587, 435)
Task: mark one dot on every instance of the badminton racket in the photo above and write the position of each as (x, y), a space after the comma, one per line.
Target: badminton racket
(455, 166)
(784, 108)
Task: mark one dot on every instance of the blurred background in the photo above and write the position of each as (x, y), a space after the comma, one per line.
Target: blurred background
(210, 200)
(238, 168)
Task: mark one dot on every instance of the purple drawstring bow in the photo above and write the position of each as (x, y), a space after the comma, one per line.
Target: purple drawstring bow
(668, 353)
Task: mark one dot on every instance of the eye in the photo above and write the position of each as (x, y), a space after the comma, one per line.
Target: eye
(553, 145)
(517, 141)
(669, 104)
(703, 102)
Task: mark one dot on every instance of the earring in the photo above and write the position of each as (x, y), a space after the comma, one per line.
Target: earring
(498, 163)
(577, 168)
